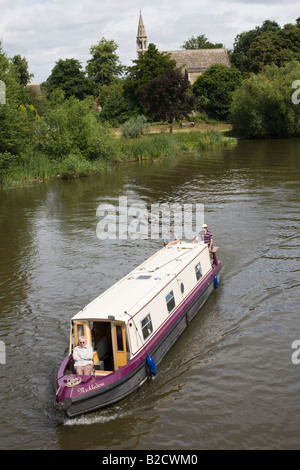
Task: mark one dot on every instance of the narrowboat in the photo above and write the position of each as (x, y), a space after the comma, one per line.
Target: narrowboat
(133, 324)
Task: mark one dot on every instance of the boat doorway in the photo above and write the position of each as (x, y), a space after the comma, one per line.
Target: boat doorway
(102, 346)
(109, 345)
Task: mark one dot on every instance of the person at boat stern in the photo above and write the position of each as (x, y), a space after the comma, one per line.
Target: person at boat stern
(170, 238)
(83, 357)
(206, 236)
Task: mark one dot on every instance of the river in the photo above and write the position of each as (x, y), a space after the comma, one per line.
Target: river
(232, 379)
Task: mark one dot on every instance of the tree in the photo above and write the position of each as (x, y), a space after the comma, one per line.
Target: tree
(149, 66)
(243, 41)
(214, 90)
(67, 75)
(167, 98)
(200, 42)
(115, 107)
(275, 47)
(263, 106)
(16, 121)
(104, 67)
(20, 67)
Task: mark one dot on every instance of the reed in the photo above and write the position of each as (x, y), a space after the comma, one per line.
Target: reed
(33, 167)
(163, 144)
(38, 166)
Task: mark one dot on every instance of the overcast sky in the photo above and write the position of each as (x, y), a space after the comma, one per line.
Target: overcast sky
(45, 31)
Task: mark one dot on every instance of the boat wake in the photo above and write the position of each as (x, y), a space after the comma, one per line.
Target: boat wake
(95, 418)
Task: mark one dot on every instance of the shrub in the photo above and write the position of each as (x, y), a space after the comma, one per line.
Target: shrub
(263, 107)
(74, 165)
(71, 128)
(135, 127)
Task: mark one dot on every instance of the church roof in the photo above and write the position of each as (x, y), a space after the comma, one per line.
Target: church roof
(200, 59)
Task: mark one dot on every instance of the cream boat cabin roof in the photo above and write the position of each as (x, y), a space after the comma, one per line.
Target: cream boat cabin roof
(134, 291)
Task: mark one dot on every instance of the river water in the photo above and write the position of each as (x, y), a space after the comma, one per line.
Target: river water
(232, 380)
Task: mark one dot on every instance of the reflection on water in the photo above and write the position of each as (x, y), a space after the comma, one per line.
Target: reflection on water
(229, 381)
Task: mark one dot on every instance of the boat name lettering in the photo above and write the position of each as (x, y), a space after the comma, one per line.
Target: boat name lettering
(90, 388)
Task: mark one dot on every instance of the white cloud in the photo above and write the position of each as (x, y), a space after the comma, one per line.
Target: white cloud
(45, 31)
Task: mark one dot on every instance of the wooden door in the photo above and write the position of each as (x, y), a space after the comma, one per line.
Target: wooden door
(119, 347)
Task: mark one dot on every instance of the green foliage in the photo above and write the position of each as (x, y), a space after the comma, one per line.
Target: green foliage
(74, 166)
(166, 144)
(7, 161)
(72, 127)
(262, 107)
(104, 67)
(167, 98)
(200, 42)
(214, 90)
(115, 107)
(135, 127)
(275, 47)
(16, 129)
(149, 66)
(67, 75)
(240, 55)
(20, 69)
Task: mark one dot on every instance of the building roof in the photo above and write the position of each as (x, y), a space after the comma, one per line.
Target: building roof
(200, 58)
(36, 87)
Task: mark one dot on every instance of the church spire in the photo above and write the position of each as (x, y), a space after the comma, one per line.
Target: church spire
(141, 39)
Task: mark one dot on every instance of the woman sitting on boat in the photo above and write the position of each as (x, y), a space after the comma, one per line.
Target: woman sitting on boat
(83, 357)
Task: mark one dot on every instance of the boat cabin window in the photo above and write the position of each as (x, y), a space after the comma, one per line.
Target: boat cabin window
(198, 271)
(170, 301)
(147, 327)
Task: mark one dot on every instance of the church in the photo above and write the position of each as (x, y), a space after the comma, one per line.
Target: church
(193, 62)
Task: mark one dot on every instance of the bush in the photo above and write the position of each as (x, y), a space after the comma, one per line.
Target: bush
(74, 166)
(72, 127)
(135, 127)
(262, 107)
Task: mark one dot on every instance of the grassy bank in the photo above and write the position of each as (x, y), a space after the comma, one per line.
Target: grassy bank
(39, 167)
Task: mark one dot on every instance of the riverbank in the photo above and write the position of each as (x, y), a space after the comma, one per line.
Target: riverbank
(198, 126)
(158, 143)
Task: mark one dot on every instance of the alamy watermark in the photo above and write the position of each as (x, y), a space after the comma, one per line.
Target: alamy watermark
(136, 220)
(2, 353)
(296, 354)
(295, 99)
(2, 92)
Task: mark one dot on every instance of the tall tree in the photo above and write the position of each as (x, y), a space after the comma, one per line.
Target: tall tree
(275, 47)
(200, 42)
(20, 67)
(214, 90)
(68, 76)
(167, 98)
(243, 41)
(149, 66)
(104, 67)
